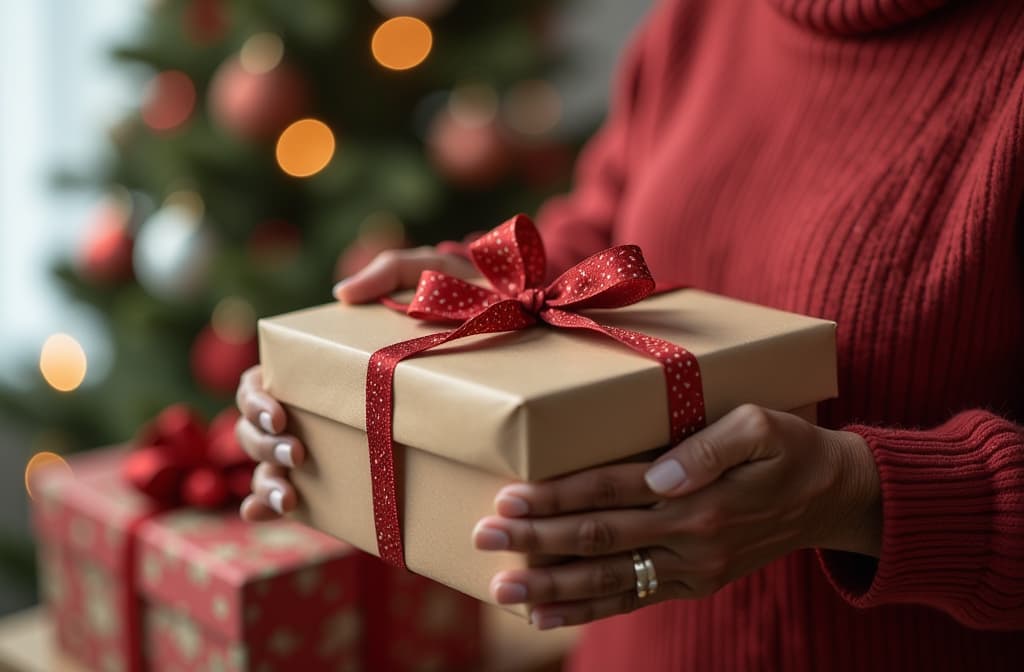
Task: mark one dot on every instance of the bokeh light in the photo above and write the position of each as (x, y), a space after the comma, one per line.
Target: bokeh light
(41, 462)
(261, 53)
(402, 43)
(62, 362)
(305, 148)
(234, 320)
(169, 100)
(532, 107)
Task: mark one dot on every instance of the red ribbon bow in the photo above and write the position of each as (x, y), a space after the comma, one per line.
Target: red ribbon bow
(512, 259)
(177, 461)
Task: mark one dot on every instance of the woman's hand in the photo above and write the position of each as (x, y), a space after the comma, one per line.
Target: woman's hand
(261, 429)
(748, 489)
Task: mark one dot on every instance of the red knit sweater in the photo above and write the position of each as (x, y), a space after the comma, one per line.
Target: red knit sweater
(862, 161)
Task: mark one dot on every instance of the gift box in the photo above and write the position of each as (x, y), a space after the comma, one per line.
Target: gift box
(135, 587)
(475, 414)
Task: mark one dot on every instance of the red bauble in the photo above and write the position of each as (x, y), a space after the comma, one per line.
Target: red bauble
(257, 105)
(205, 488)
(239, 480)
(218, 362)
(106, 253)
(179, 432)
(469, 154)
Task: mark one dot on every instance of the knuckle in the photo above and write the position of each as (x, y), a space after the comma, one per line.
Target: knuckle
(754, 419)
(549, 590)
(708, 521)
(594, 537)
(531, 538)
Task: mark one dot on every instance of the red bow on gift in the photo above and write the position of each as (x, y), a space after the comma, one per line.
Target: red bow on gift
(178, 461)
(512, 259)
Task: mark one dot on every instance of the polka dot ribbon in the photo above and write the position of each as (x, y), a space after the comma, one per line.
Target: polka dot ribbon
(512, 259)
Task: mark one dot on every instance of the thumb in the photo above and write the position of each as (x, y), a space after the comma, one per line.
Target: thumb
(702, 458)
(397, 269)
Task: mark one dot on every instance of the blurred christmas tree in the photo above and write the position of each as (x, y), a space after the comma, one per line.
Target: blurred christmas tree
(278, 146)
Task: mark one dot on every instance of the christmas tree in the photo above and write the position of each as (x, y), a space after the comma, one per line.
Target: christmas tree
(278, 146)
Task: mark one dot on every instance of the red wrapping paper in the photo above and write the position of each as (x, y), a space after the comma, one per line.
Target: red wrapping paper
(217, 593)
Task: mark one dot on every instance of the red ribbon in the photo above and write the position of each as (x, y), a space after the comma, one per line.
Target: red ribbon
(512, 259)
(177, 461)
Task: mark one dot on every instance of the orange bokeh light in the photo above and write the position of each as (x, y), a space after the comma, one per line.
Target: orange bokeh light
(305, 148)
(169, 101)
(42, 461)
(62, 362)
(402, 43)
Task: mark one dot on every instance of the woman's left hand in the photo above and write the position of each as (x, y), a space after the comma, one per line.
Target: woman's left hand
(750, 488)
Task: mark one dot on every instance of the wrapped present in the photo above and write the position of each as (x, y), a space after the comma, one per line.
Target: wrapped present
(407, 452)
(139, 578)
(134, 587)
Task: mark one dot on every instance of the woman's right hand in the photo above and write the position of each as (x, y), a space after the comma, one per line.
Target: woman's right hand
(262, 427)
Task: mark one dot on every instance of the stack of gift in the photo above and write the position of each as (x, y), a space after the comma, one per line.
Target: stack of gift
(406, 453)
(140, 583)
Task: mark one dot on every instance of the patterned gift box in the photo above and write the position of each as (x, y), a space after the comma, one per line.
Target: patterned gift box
(214, 593)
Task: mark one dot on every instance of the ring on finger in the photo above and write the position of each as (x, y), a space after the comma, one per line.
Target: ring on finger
(646, 576)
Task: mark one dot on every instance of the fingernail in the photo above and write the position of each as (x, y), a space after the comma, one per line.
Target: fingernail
(491, 539)
(266, 422)
(511, 506)
(283, 454)
(665, 476)
(510, 593)
(276, 498)
(546, 622)
(337, 289)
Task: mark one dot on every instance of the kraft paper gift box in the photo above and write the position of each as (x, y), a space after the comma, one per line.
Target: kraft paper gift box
(211, 592)
(478, 413)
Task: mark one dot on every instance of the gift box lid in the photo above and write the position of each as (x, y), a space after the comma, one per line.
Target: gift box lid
(244, 579)
(514, 403)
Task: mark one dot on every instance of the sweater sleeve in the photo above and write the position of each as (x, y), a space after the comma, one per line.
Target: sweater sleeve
(953, 522)
(579, 223)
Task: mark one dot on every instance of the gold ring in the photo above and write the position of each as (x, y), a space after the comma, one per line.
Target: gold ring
(646, 577)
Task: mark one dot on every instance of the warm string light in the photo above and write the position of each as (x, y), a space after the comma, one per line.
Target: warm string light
(40, 462)
(305, 148)
(402, 43)
(62, 362)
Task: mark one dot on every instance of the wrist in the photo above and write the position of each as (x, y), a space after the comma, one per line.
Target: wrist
(858, 520)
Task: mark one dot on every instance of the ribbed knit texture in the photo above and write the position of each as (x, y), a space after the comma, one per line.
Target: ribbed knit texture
(861, 161)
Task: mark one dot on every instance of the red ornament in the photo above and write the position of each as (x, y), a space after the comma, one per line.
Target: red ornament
(218, 362)
(205, 487)
(469, 154)
(206, 21)
(169, 101)
(106, 253)
(179, 431)
(257, 105)
(225, 450)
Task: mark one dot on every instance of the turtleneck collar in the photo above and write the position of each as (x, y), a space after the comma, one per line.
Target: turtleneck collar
(852, 17)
